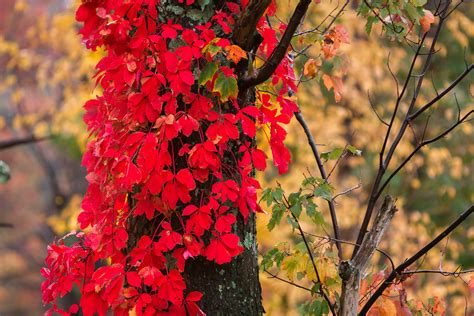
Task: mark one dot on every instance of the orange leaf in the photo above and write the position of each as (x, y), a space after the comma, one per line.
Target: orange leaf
(426, 20)
(235, 53)
(311, 67)
(334, 83)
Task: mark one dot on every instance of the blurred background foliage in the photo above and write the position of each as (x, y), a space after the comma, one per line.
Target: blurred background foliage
(45, 78)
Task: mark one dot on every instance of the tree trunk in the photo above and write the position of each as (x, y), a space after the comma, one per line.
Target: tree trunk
(228, 289)
(351, 271)
(233, 288)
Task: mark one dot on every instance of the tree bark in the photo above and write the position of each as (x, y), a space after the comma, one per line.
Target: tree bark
(352, 271)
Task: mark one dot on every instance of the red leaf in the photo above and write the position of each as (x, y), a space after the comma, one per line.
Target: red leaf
(134, 279)
(187, 77)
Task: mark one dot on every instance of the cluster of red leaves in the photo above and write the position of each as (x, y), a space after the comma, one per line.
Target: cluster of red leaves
(166, 151)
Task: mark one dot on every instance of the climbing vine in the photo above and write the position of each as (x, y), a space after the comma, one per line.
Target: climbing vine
(171, 150)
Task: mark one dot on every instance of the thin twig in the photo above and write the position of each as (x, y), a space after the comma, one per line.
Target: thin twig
(274, 276)
(358, 186)
(421, 145)
(311, 256)
(383, 163)
(455, 273)
(439, 96)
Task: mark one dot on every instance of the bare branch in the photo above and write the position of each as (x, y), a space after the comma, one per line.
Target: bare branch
(439, 96)
(421, 145)
(395, 273)
(21, 141)
(375, 111)
(358, 186)
(279, 52)
(383, 163)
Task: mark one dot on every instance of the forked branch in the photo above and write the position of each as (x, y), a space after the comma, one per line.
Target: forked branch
(279, 52)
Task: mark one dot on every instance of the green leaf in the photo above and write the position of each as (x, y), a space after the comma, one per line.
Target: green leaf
(4, 172)
(207, 73)
(324, 190)
(301, 247)
(292, 222)
(294, 198)
(290, 265)
(354, 150)
(371, 20)
(203, 3)
(277, 214)
(267, 196)
(318, 219)
(333, 154)
(226, 87)
(310, 181)
(412, 13)
(310, 207)
(278, 194)
(296, 210)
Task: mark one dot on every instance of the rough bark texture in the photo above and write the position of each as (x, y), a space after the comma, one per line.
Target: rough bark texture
(233, 288)
(353, 270)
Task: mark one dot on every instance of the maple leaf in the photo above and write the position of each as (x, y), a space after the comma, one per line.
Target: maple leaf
(259, 159)
(134, 279)
(207, 73)
(203, 156)
(311, 67)
(150, 275)
(224, 223)
(334, 83)
(193, 246)
(235, 53)
(188, 125)
(226, 191)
